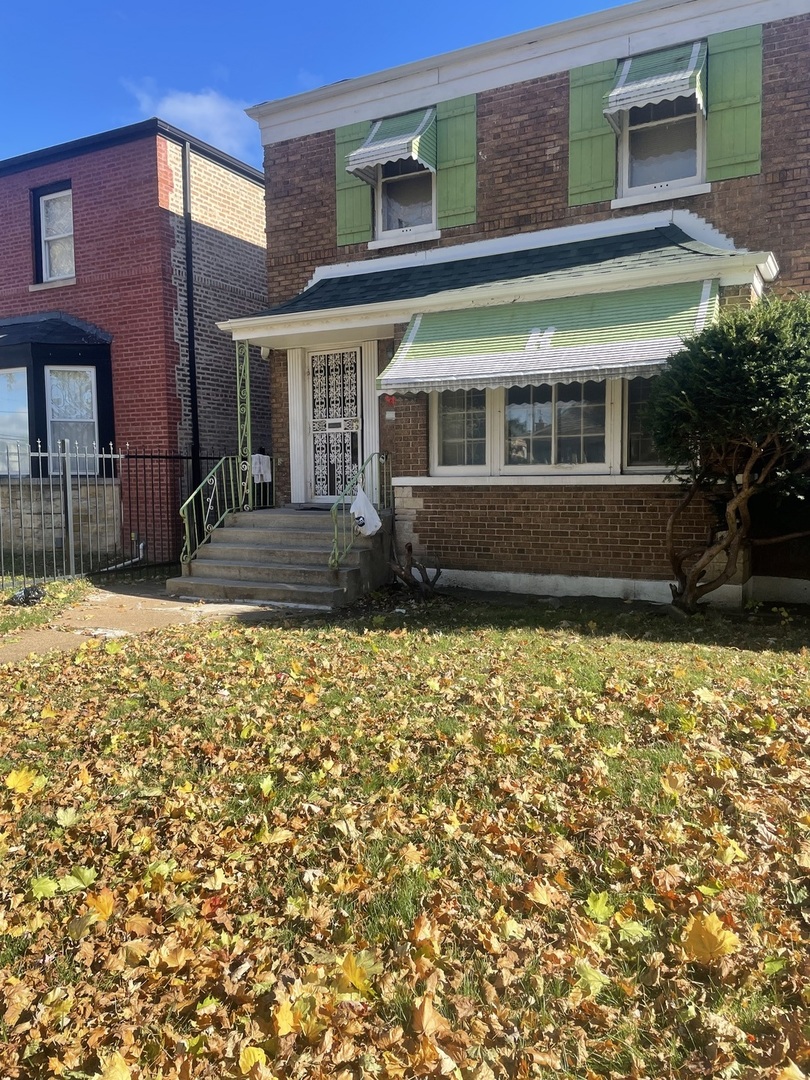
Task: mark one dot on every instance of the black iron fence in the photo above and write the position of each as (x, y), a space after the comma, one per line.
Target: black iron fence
(76, 512)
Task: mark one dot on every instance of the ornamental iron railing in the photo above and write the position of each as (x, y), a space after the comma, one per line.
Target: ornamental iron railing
(228, 487)
(374, 476)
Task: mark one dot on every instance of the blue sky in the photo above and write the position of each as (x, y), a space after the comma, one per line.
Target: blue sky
(77, 68)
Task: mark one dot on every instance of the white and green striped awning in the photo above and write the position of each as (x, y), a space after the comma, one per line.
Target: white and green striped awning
(410, 135)
(659, 76)
(569, 339)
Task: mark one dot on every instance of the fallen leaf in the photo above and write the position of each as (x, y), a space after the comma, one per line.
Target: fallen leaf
(706, 939)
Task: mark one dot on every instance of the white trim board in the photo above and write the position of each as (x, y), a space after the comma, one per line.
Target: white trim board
(656, 592)
(604, 35)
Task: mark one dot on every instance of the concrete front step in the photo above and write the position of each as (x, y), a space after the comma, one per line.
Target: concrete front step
(282, 557)
(322, 597)
(221, 549)
(277, 572)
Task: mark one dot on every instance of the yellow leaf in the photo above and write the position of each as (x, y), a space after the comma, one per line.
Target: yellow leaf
(47, 713)
(538, 892)
(250, 1056)
(102, 902)
(426, 1021)
(21, 780)
(284, 1019)
(116, 1069)
(673, 781)
(791, 1072)
(707, 940)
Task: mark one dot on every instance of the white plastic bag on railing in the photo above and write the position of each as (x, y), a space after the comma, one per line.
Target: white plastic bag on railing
(366, 519)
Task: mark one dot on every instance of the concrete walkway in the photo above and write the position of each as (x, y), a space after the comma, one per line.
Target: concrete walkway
(119, 611)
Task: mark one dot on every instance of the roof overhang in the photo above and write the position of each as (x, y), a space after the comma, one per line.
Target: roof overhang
(369, 321)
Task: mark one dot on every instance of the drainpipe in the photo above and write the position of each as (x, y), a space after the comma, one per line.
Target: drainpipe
(196, 472)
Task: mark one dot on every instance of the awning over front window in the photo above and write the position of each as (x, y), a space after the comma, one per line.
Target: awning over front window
(659, 76)
(410, 135)
(569, 339)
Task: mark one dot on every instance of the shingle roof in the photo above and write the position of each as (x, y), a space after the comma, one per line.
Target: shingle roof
(50, 330)
(654, 248)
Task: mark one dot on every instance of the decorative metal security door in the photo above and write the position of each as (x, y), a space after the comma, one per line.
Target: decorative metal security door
(335, 420)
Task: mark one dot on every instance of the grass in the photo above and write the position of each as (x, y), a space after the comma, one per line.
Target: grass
(469, 844)
(59, 596)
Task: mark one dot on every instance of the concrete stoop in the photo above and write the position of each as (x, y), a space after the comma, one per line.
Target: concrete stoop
(281, 557)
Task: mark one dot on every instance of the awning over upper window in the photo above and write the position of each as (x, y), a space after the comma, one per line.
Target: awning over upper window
(659, 76)
(410, 135)
(569, 339)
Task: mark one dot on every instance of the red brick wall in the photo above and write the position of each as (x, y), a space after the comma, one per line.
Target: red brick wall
(575, 531)
(121, 241)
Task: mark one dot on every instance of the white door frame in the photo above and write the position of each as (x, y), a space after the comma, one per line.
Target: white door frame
(300, 415)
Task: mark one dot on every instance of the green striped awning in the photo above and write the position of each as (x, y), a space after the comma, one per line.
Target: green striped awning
(659, 76)
(410, 135)
(569, 339)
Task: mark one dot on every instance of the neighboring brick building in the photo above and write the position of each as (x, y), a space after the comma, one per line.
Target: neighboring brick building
(100, 239)
(502, 245)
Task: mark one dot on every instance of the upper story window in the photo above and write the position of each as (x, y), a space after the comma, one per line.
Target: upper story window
(656, 106)
(53, 228)
(666, 124)
(401, 179)
(405, 199)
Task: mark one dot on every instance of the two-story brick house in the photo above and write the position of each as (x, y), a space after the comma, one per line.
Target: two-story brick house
(120, 253)
(478, 261)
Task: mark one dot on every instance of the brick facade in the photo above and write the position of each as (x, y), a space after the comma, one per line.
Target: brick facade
(129, 247)
(522, 187)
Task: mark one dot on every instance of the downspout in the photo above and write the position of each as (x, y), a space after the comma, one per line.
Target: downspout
(196, 471)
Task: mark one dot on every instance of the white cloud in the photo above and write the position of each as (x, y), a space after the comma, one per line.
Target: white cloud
(206, 114)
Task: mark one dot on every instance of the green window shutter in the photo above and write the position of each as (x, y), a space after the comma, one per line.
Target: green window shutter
(353, 196)
(456, 154)
(591, 141)
(734, 105)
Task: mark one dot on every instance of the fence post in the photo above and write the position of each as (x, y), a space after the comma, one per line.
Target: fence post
(67, 501)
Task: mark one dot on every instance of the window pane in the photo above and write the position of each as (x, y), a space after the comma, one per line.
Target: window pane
(663, 152)
(640, 447)
(408, 202)
(72, 414)
(14, 421)
(462, 427)
(529, 418)
(57, 215)
(580, 416)
(59, 258)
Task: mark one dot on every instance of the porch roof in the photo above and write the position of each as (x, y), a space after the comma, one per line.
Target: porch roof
(571, 338)
(656, 250)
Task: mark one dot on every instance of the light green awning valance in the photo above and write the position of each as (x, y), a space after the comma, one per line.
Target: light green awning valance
(659, 76)
(410, 135)
(569, 339)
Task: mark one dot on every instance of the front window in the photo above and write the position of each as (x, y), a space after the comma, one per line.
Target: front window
(662, 146)
(72, 414)
(555, 425)
(405, 200)
(463, 428)
(56, 235)
(14, 429)
(639, 447)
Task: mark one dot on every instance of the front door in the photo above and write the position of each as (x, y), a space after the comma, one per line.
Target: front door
(335, 421)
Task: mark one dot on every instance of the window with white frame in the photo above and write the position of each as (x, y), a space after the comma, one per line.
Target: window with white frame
(405, 199)
(661, 147)
(56, 235)
(584, 427)
(462, 428)
(71, 404)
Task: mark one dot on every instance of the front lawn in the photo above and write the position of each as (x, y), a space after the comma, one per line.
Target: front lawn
(464, 841)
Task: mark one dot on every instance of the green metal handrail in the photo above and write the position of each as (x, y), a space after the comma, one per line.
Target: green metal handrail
(228, 487)
(342, 521)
